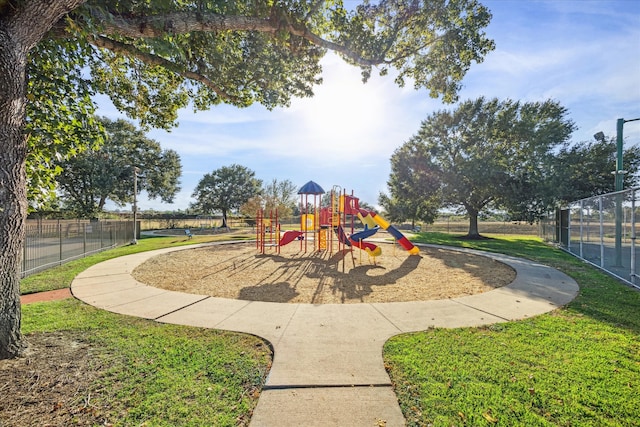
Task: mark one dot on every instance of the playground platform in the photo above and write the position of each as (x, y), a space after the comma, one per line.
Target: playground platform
(328, 368)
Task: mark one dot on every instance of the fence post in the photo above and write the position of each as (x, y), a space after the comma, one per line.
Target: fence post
(633, 237)
(581, 226)
(601, 232)
(60, 240)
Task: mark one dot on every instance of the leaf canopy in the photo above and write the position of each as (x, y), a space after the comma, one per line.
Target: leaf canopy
(225, 190)
(492, 153)
(106, 172)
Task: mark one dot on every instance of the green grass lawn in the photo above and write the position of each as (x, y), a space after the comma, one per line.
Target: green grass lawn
(156, 374)
(576, 366)
(152, 373)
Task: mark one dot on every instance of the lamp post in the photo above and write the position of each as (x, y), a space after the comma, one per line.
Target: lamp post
(134, 241)
(619, 173)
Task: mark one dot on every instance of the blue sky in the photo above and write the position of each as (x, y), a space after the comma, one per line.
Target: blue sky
(584, 54)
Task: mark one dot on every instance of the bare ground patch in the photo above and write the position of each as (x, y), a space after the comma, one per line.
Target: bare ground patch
(52, 385)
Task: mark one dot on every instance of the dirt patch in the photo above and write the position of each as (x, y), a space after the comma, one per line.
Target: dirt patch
(46, 296)
(239, 271)
(51, 385)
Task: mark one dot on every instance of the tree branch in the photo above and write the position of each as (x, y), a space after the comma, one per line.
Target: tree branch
(180, 23)
(150, 59)
(186, 22)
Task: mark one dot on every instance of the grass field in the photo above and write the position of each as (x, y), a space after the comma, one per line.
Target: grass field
(576, 366)
(149, 373)
(152, 374)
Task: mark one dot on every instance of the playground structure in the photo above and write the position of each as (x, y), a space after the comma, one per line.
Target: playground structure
(324, 228)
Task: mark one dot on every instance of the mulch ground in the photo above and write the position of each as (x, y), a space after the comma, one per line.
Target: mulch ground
(239, 271)
(52, 385)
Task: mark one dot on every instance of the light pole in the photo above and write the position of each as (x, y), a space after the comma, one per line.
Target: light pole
(619, 172)
(134, 241)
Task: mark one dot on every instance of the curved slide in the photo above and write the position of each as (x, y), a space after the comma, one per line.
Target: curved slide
(402, 240)
(368, 247)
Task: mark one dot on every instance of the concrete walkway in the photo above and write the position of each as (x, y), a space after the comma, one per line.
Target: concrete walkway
(328, 368)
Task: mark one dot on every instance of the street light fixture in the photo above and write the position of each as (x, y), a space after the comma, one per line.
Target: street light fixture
(599, 136)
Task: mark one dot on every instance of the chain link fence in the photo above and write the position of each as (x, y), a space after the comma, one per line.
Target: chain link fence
(53, 242)
(600, 230)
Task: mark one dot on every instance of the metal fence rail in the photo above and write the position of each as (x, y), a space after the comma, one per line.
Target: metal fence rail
(53, 242)
(601, 230)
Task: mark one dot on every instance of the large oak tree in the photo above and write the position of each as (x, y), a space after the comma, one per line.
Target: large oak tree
(154, 57)
(106, 172)
(225, 190)
(491, 153)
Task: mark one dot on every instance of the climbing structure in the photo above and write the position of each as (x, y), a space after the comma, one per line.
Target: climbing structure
(328, 228)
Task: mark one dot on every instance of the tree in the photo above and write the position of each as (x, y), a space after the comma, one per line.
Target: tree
(276, 195)
(225, 190)
(414, 186)
(153, 58)
(584, 169)
(281, 195)
(94, 176)
(490, 153)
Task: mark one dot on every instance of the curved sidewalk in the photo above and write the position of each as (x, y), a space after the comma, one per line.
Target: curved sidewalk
(328, 368)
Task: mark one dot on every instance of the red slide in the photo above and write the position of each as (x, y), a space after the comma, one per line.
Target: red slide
(289, 236)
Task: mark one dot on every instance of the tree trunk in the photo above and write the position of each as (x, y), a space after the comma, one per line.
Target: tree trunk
(21, 27)
(473, 224)
(13, 195)
(224, 219)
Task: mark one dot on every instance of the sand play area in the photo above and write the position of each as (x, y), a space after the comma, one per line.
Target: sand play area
(240, 271)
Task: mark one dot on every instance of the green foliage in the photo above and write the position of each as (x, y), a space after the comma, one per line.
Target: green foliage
(157, 374)
(276, 195)
(225, 190)
(491, 153)
(60, 121)
(584, 169)
(90, 178)
(431, 43)
(152, 67)
(414, 186)
(102, 47)
(574, 366)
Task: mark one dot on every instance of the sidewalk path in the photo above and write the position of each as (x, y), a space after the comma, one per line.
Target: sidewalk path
(328, 368)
